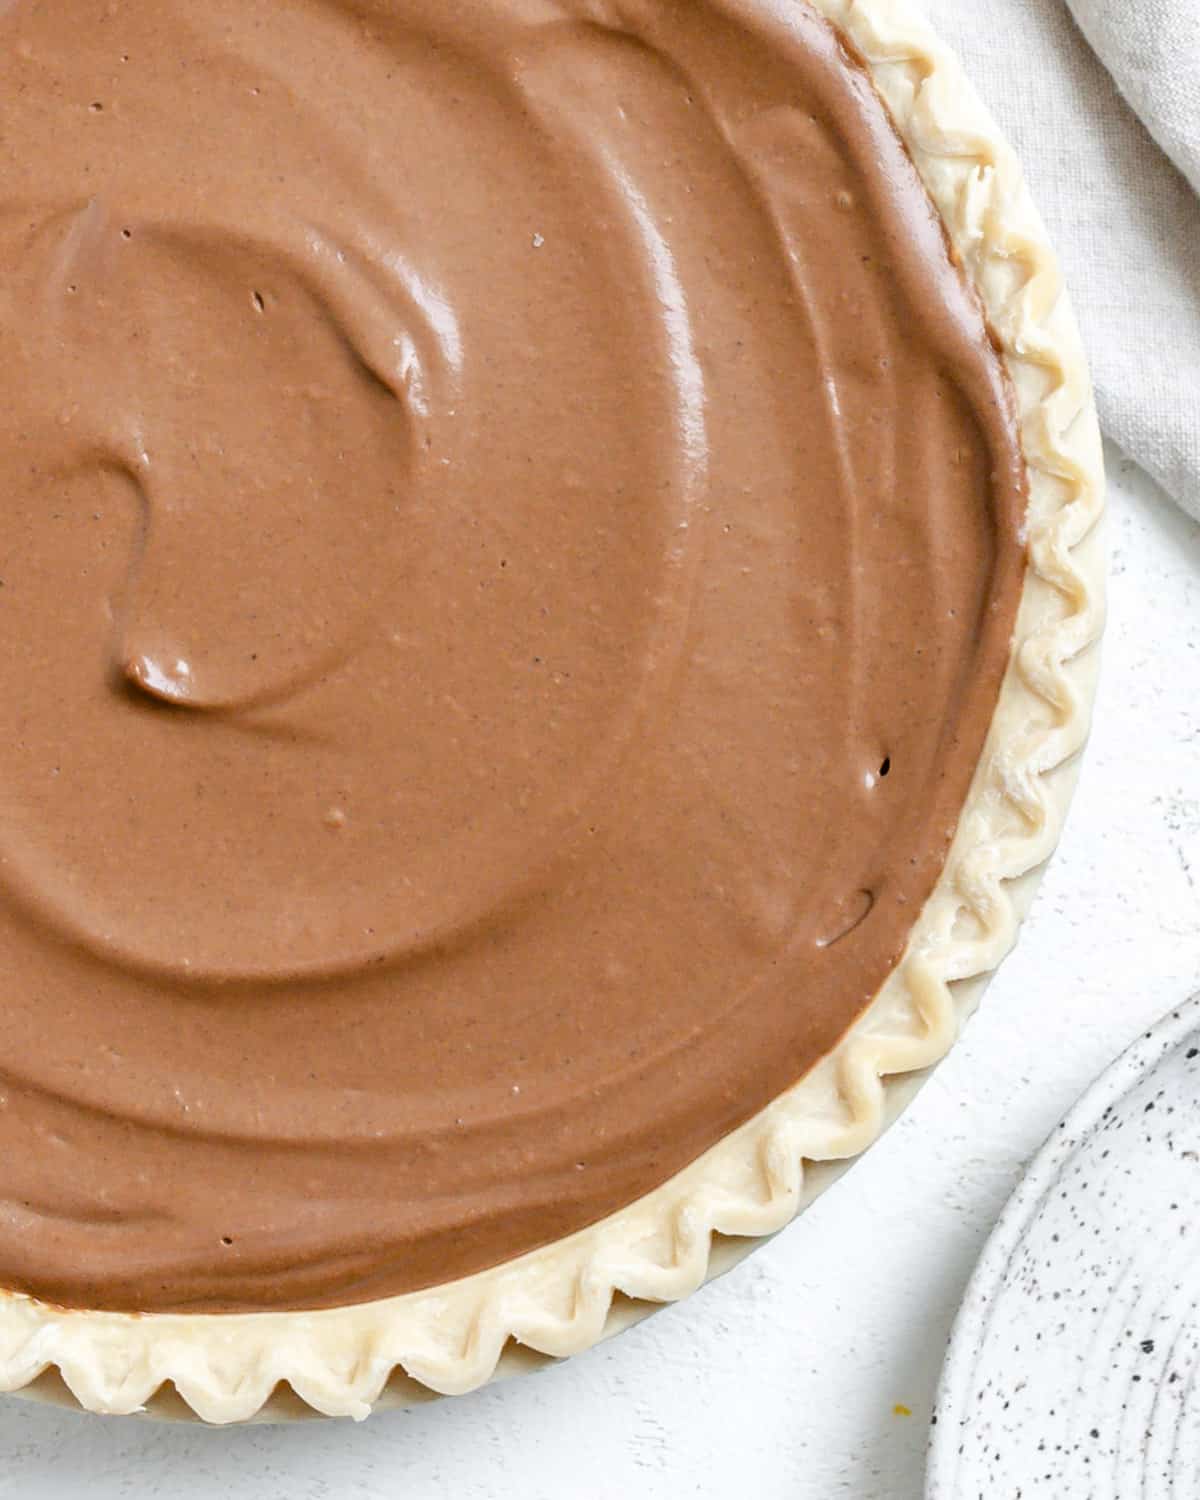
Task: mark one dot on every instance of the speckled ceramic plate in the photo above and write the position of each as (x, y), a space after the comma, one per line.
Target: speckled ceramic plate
(1074, 1366)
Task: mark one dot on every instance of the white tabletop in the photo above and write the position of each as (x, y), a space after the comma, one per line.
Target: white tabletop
(807, 1373)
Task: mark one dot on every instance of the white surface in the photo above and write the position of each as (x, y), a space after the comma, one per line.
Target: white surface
(1075, 1356)
(781, 1380)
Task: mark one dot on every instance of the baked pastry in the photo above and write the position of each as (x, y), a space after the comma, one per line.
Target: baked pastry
(544, 560)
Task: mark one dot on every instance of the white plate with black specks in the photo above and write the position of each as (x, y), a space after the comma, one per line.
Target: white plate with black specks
(1074, 1366)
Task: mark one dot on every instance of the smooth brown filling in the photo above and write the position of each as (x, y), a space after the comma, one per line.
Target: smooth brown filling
(511, 542)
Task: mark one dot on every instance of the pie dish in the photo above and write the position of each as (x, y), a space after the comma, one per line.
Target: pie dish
(591, 508)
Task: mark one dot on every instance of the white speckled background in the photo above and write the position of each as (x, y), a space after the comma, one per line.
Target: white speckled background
(794, 1375)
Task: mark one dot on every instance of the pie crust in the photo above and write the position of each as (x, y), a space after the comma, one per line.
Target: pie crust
(563, 1298)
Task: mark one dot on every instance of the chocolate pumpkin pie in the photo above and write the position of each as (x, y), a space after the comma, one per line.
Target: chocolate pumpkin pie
(541, 573)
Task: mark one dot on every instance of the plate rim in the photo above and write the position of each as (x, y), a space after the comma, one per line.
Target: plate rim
(968, 1333)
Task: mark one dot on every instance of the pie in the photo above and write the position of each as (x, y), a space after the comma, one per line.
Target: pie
(545, 572)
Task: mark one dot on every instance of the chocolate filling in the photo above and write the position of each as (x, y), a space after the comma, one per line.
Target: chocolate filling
(511, 543)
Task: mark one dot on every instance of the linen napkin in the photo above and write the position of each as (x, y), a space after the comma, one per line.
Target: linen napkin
(1110, 143)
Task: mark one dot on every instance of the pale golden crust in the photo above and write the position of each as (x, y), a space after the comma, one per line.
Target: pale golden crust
(558, 1300)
